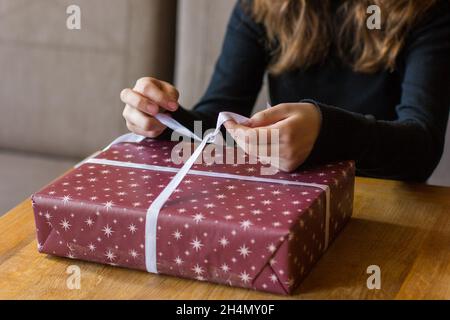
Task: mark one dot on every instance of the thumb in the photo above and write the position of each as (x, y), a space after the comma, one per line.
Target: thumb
(230, 124)
(269, 116)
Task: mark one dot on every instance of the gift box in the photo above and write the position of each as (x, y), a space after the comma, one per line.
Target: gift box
(224, 223)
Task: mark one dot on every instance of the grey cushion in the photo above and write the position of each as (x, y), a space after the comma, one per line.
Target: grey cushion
(21, 174)
(60, 88)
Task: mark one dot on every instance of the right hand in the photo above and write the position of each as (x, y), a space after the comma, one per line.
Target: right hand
(148, 97)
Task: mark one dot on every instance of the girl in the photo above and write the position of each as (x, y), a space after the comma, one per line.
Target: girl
(340, 90)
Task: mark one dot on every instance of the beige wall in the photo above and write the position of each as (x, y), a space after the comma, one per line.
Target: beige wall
(60, 88)
(200, 31)
(441, 175)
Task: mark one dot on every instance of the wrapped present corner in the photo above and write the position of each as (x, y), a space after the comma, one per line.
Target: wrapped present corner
(220, 223)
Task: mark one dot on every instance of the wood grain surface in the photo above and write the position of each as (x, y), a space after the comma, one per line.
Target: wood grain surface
(402, 228)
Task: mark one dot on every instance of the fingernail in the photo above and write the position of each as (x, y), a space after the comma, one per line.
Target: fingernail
(172, 105)
(151, 109)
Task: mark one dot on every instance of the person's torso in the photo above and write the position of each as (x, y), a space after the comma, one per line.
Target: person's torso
(334, 84)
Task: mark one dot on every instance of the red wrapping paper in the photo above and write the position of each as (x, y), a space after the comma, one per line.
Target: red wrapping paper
(240, 233)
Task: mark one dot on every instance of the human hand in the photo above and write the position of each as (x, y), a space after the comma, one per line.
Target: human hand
(298, 124)
(144, 101)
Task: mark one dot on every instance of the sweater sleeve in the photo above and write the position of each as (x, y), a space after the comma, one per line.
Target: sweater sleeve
(238, 74)
(410, 147)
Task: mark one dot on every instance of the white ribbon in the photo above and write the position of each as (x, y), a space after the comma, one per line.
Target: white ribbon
(157, 204)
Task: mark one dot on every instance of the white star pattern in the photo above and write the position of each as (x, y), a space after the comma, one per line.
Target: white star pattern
(244, 251)
(178, 261)
(246, 224)
(196, 244)
(271, 247)
(110, 255)
(224, 242)
(65, 224)
(198, 270)
(198, 217)
(134, 254)
(108, 205)
(66, 199)
(225, 268)
(132, 228)
(89, 222)
(273, 277)
(245, 277)
(177, 235)
(107, 230)
(276, 224)
(210, 229)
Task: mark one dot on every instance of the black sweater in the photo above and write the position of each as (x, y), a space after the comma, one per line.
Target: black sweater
(391, 123)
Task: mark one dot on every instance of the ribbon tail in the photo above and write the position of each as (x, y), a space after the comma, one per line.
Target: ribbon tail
(156, 206)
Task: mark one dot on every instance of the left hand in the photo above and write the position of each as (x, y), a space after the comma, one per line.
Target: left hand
(298, 124)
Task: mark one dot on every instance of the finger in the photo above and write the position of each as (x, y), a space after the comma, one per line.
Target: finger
(136, 100)
(153, 91)
(239, 131)
(252, 136)
(170, 90)
(266, 146)
(230, 124)
(270, 116)
(141, 119)
(233, 125)
(151, 133)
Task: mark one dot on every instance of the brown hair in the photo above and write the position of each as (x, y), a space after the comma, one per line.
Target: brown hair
(303, 31)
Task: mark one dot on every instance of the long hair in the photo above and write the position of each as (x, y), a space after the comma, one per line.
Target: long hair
(305, 30)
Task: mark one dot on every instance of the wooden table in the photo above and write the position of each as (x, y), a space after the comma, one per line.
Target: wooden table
(402, 228)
